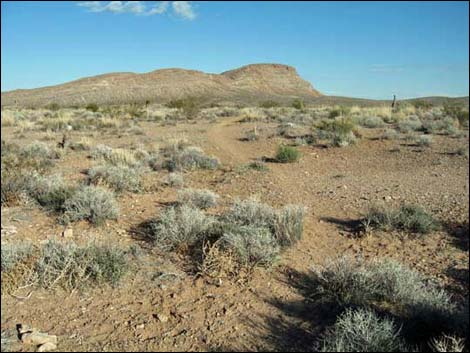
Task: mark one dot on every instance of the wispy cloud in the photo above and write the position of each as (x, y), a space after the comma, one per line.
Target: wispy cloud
(183, 9)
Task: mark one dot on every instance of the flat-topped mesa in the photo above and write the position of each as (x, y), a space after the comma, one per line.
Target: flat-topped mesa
(271, 78)
(249, 83)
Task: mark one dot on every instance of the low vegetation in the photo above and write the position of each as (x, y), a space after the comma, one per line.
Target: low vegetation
(408, 218)
(92, 203)
(287, 154)
(66, 265)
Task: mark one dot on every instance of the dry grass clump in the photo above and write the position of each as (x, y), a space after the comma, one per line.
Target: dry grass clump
(409, 125)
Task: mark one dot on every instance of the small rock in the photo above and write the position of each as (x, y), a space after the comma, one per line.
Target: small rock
(38, 338)
(387, 198)
(47, 347)
(140, 327)
(67, 233)
(162, 317)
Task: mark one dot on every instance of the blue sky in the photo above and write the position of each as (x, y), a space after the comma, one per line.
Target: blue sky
(357, 49)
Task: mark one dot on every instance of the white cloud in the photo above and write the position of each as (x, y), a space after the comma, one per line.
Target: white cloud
(182, 9)
(158, 9)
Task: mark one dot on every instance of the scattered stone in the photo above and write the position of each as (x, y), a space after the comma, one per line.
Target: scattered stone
(47, 347)
(162, 318)
(38, 338)
(387, 198)
(67, 233)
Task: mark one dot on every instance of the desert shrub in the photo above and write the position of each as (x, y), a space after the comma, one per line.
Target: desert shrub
(71, 266)
(423, 140)
(118, 177)
(269, 104)
(298, 104)
(13, 253)
(201, 199)
(13, 185)
(251, 244)
(93, 107)
(92, 203)
(251, 135)
(286, 129)
(462, 117)
(371, 122)
(363, 330)
(120, 156)
(288, 225)
(175, 180)
(385, 282)
(421, 104)
(53, 106)
(101, 151)
(35, 156)
(462, 151)
(250, 212)
(180, 227)
(189, 158)
(190, 106)
(447, 343)
(390, 134)
(50, 192)
(252, 114)
(287, 154)
(83, 144)
(408, 217)
(340, 132)
(407, 126)
(339, 111)
(258, 166)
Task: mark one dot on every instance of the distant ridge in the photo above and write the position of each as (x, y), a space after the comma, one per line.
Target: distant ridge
(246, 84)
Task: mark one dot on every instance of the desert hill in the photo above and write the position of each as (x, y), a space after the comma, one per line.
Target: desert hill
(248, 83)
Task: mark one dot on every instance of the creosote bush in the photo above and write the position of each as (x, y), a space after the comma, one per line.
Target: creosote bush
(92, 203)
(287, 154)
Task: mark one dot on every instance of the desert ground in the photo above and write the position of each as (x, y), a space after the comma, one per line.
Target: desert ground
(203, 252)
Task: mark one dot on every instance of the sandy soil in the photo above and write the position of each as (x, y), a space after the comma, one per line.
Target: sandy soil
(271, 311)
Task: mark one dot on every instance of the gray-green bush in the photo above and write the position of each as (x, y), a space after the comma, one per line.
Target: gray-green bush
(180, 226)
(91, 203)
(363, 330)
(202, 199)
